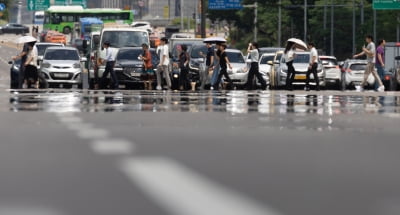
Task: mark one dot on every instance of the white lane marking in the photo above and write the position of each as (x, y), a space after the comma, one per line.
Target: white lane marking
(112, 147)
(93, 133)
(180, 191)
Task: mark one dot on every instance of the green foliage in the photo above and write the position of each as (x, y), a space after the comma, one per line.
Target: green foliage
(293, 23)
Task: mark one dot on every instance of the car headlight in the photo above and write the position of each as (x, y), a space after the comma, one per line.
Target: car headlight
(45, 65)
(284, 70)
(76, 65)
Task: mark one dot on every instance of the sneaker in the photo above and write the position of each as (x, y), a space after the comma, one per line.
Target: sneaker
(359, 88)
(159, 87)
(381, 88)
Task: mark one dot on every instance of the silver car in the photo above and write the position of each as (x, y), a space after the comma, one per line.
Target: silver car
(61, 66)
(265, 68)
(300, 64)
(332, 70)
(239, 71)
(353, 74)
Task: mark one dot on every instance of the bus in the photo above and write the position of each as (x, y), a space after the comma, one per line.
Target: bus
(88, 25)
(62, 18)
(38, 18)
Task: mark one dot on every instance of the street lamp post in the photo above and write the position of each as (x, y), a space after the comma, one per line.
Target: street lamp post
(255, 6)
(305, 21)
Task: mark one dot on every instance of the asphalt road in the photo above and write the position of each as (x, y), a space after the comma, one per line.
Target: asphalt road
(70, 152)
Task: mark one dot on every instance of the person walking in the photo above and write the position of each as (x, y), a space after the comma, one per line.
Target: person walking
(217, 68)
(369, 51)
(209, 64)
(110, 62)
(184, 67)
(380, 61)
(31, 79)
(223, 63)
(289, 56)
(23, 56)
(252, 50)
(312, 68)
(164, 64)
(148, 73)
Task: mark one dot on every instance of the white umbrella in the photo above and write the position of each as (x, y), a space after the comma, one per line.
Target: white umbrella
(300, 44)
(214, 40)
(26, 39)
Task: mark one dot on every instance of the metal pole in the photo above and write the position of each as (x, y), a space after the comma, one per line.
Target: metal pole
(332, 20)
(362, 12)
(375, 25)
(255, 21)
(354, 27)
(19, 12)
(325, 18)
(280, 24)
(169, 9)
(398, 28)
(305, 21)
(181, 10)
(203, 19)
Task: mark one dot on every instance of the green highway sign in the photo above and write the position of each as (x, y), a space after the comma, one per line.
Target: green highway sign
(83, 3)
(38, 4)
(386, 4)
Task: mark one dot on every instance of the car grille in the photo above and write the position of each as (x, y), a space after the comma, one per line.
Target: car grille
(62, 67)
(61, 75)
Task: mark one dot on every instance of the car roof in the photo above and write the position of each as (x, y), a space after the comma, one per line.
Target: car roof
(46, 43)
(234, 50)
(268, 54)
(327, 57)
(62, 47)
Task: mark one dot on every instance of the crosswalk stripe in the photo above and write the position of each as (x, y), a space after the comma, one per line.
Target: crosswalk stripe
(181, 191)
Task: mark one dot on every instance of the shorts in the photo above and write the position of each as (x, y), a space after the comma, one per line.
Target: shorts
(147, 75)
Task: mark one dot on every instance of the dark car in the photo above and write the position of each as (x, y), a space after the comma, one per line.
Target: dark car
(195, 60)
(129, 68)
(14, 76)
(14, 28)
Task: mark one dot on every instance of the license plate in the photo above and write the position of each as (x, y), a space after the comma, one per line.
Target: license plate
(61, 75)
(135, 74)
(300, 77)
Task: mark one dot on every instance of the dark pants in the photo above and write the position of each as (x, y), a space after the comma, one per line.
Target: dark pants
(109, 69)
(255, 72)
(21, 76)
(291, 73)
(223, 72)
(313, 70)
(184, 79)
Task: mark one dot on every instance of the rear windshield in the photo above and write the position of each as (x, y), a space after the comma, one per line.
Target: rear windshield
(195, 52)
(61, 54)
(42, 48)
(358, 66)
(329, 62)
(265, 59)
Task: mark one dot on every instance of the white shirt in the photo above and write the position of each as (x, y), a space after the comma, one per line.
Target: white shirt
(110, 54)
(164, 52)
(254, 55)
(289, 56)
(34, 54)
(371, 48)
(313, 53)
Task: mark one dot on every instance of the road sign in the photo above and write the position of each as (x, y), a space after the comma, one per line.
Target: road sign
(2, 6)
(38, 4)
(386, 4)
(83, 3)
(224, 4)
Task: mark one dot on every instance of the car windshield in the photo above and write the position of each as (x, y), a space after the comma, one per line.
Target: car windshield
(119, 39)
(195, 53)
(177, 48)
(235, 57)
(265, 59)
(302, 58)
(42, 48)
(129, 54)
(358, 66)
(61, 54)
(329, 62)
